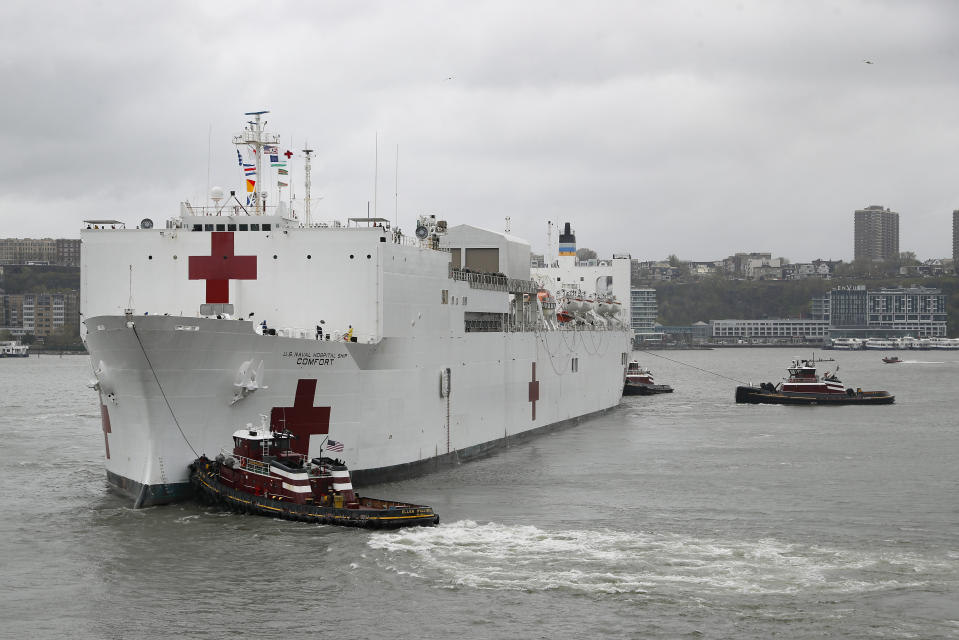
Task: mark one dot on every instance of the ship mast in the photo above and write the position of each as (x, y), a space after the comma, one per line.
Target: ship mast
(306, 169)
(256, 138)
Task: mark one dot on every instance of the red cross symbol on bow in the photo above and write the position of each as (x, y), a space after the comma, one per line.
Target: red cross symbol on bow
(302, 419)
(221, 266)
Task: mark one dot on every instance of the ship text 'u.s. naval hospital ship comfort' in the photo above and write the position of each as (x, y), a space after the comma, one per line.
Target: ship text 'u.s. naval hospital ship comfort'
(406, 351)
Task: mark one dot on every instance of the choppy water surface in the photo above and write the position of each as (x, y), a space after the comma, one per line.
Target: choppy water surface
(682, 515)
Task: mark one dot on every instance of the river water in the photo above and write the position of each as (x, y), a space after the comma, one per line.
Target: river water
(672, 516)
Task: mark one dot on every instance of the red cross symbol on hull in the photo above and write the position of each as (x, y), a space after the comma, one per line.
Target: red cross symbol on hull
(221, 266)
(534, 391)
(105, 422)
(302, 419)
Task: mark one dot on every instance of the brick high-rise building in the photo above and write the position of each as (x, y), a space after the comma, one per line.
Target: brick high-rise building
(876, 234)
(955, 240)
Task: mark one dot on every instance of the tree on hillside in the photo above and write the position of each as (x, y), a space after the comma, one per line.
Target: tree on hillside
(585, 254)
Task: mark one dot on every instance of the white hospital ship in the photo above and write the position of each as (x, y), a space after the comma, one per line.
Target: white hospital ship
(412, 351)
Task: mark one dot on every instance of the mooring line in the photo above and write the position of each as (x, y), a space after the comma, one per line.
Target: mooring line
(162, 393)
(692, 366)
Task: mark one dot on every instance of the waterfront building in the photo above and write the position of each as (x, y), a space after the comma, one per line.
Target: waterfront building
(782, 330)
(643, 312)
(855, 312)
(876, 234)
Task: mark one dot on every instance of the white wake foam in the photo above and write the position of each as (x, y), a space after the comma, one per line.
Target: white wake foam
(494, 556)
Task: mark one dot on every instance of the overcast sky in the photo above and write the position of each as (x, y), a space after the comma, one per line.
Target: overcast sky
(694, 128)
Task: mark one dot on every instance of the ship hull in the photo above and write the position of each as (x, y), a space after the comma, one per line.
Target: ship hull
(173, 388)
(755, 395)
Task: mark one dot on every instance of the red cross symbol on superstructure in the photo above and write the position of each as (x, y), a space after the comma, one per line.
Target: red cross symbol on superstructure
(302, 419)
(221, 266)
(105, 421)
(534, 391)
(288, 154)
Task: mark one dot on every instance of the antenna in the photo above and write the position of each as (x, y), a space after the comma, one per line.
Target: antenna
(209, 159)
(130, 299)
(376, 168)
(307, 169)
(396, 190)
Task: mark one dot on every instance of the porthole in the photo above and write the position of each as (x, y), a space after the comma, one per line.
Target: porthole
(309, 257)
(150, 257)
(174, 257)
(274, 256)
(368, 256)
(351, 256)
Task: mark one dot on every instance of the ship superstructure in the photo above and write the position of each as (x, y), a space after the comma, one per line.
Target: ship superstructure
(350, 330)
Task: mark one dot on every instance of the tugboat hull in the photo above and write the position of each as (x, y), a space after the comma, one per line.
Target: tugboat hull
(757, 395)
(630, 389)
(373, 514)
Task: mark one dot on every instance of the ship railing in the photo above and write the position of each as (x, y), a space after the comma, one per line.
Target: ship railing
(248, 464)
(493, 281)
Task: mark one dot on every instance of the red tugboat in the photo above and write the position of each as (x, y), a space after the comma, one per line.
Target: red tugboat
(639, 382)
(804, 386)
(262, 475)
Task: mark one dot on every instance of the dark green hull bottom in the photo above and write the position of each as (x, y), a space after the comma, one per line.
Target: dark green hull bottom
(755, 395)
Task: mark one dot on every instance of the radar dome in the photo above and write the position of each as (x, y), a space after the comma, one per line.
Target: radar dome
(217, 194)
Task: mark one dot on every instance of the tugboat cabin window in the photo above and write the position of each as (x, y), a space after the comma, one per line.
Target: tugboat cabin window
(208, 227)
(198, 227)
(244, 227)
(221, 227)
(254, 227)
(231, 227)
(267, 227)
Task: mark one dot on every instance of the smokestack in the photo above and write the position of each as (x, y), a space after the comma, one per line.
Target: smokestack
(567, 242)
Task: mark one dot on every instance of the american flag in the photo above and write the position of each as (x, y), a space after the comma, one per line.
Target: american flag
(270, 148)
(333, 445)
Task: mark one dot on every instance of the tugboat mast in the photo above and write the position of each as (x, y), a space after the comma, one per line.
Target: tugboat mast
(255, 137)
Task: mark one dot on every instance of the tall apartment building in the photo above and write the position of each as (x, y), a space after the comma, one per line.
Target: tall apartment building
(40, 314)
(643, 312)
(955, 240)
(876, 234)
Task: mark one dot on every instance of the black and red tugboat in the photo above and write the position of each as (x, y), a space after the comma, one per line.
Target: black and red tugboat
(264, 476)
(804, 386)
(639, 382)
(891, 360)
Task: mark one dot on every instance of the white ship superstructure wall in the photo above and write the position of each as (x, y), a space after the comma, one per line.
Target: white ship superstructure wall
(413, 385)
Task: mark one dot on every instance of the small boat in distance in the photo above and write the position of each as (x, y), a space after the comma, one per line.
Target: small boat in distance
(891, 360)
(804, 386)
(639, 382)
(13, 349)
(263, 475)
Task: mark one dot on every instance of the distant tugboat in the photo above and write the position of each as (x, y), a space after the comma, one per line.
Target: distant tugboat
(804, 386)
(891, 360)
(262, 475)
(639, 382)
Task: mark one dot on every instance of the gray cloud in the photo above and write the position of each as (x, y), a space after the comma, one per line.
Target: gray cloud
(695, 128)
